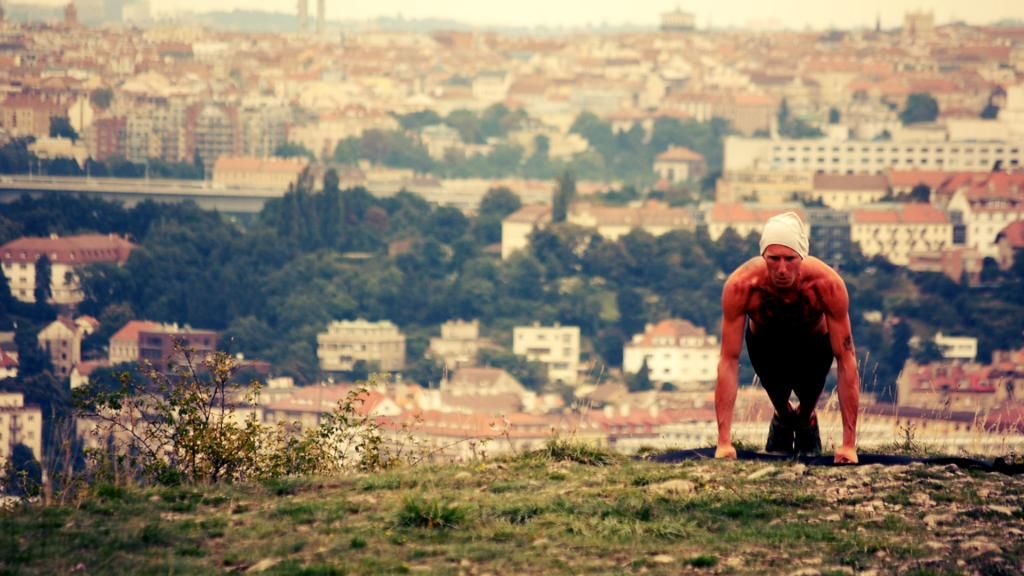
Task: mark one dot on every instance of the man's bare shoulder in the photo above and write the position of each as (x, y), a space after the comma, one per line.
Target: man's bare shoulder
(826, 281)
(749, 273)
(738, 286)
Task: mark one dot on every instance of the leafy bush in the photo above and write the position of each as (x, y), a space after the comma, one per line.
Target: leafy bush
(197, 425)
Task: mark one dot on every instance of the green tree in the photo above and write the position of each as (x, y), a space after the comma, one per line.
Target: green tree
(833, 115)
(920, 107)
(60, 127)
(44, 281)
(564, 194)
(499, 202)
(293, 150)
(24, 475)
(641, 381)
(101, 98)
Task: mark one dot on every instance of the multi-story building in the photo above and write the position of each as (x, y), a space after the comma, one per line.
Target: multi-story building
(680, 164)
(66, 254)
(764, 186)
(843, 191)
(988, 204)
(956, 262)
(62, 342)
(677, 20)
(918, 27)
(249, 172)
(212, 131)
(29, 115)
(349, 341)
(106, 138)
(829, 235)
(558, 347)
(124, 344)
(611, 222)
(864, 156)
(675, 351)
(744, 219)
(159, 346)
(958, 386)
(19, 424)
(517, 227)
(483, 381)
(458, 345)
(896, 231)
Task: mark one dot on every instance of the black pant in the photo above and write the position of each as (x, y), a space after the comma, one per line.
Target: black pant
(787, 363)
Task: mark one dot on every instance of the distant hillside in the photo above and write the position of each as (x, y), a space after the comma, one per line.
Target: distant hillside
(543, 513)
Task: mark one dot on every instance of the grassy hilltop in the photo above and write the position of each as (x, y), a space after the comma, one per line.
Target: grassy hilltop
(567, 509)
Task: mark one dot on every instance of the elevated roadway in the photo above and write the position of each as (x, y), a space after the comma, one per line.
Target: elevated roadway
(131, 191)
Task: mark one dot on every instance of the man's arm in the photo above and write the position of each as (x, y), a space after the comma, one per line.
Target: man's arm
(837, 305)
(733, 314)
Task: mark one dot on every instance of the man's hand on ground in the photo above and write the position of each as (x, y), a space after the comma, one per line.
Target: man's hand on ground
(726, 452)
(846, 455)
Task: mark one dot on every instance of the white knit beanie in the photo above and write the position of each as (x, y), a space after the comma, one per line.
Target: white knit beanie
(787, 230)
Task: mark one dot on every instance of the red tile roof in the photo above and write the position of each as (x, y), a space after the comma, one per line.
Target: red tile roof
(130, 331)
(955, 378)
(873, 182)
(900, 214)
(679, 154)
(671, 328)
(1014, 234)
(530, 214)
(6, 361)
(70, 250)
(321, 399)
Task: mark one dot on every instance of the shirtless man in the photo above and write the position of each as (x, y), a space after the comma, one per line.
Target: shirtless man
(793, 310)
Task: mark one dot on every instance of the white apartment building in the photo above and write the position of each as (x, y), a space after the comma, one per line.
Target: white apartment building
(556, 346)
(843, 191)
(895, 231)
(349, 341)
(864, 156)
(517, 227)
(957, 347)
(19, 424)
(989, 204)
(676, 351)
(458, 344)
(19, 258)
(62, 341)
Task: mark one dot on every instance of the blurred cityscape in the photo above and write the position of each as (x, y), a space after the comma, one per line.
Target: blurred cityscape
(901, 147)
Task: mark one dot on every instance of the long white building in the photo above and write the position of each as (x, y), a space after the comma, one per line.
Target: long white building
(864, 156)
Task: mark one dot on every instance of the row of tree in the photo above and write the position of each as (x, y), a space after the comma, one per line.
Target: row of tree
(313, 257)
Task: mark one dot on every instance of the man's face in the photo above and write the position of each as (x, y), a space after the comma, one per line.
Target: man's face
(783, 265)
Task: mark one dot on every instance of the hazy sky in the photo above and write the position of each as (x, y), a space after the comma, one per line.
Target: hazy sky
(791, 13)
